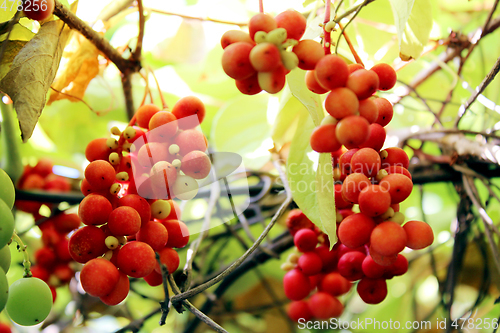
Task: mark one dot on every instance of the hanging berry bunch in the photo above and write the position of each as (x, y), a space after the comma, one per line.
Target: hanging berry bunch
(259, 60)
(129, 186)
(316, 276)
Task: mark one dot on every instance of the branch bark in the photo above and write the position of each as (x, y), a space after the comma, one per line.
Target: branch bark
(99, 41)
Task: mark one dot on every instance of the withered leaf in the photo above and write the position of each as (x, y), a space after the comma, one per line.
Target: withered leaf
(32, 73)
(11, 50)
(80, 67)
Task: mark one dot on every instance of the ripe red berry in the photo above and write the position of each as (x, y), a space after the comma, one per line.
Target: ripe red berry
(45, 10)
(299, 310)
(305, 240)
(419, 234)
(297, 286)
(386, 74)
(310, 263)
(372, 291)
(325, 306)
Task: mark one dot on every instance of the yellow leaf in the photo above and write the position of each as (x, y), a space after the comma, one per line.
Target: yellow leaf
(81, 66)
(413, 20)
(32, 73)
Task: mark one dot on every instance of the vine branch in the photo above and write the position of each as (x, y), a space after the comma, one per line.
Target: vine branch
(74, 22)
(482, 86)
(238, 262)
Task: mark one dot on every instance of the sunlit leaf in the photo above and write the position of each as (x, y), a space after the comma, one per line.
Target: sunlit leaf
(186, 46)
(309, 187)
(32, 73)
(311, 101)
(241, 127)
(413, 21)
(287, 120)
(81, 66)
(19, 32)
(313, 187)
(326, 196)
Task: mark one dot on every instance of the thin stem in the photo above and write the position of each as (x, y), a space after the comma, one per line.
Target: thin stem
(99, 41)
(261, 6)
(482, 86)
(366, 2)
(113, 9)
(327, 42)
(351, 47)
(164, 104)
(195, 246)
(142, 21)
(352, 10)
(238, 262)
(487, 221)
(26, 258)
(127, 91)
(240, 24)
(136, 325)
(200, 315)
(165, 305)
(337, 8)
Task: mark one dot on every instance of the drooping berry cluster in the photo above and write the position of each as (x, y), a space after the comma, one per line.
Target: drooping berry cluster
(40, 177)
(370, 242)
(129, 186)
(324, 274)
(259, 60)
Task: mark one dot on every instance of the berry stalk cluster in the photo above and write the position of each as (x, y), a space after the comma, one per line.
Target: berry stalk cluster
(260, 59)
(129, 213)
(376, 181)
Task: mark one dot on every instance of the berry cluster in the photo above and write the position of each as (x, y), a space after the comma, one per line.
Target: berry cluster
(129, 216)
(40, 177)
(331, 273)
(259, 60)
(375, 180)
(53, 260)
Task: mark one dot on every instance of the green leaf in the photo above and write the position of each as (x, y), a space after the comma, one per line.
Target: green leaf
(316, 199)
(312, 101)
(241, 127)
(326, 196)
(287, 120)
(19, 32)
(312, 189)
(413, 20)
(32, 73)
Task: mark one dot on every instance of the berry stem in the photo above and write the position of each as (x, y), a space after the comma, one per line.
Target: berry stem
(147, 91)
(165, 305)
(261, 6)
(351, 47)
(164, 104)
(194, 291)
(327, 42)
(358, 9)
(142, 21)
(26, 258)
(200, 315)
